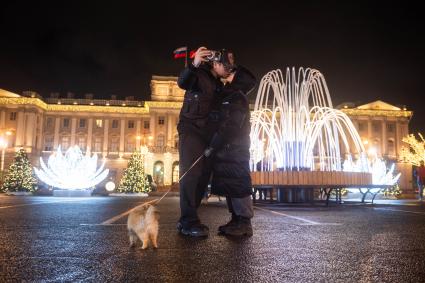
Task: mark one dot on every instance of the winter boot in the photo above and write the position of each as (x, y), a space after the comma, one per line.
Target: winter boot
(241, 227)
(193, 229)
(232, 221)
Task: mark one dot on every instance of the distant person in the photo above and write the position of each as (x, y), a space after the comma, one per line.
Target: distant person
(420, 175)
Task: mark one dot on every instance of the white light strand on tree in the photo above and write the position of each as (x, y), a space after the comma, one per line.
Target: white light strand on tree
(72, 170)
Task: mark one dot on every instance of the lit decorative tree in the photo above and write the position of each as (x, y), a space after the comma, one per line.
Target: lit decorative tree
(20, 176)
(415, 152)
(134, 178)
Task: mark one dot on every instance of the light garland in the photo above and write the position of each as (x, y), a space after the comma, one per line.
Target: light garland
(414, 153)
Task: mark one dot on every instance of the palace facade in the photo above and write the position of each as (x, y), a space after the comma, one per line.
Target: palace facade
(114, 128)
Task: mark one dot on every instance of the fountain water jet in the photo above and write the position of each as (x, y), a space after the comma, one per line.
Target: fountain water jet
(294, 124)
(294, 127)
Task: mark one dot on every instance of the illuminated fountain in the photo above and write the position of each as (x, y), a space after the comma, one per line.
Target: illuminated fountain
(294, 127)
(72, 170)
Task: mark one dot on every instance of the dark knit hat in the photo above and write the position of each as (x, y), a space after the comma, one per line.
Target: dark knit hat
(226, 57)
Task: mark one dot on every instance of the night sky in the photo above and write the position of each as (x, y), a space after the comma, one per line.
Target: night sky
(367, 50)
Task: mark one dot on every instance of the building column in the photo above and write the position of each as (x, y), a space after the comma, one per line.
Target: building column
(369, 131)
(2, 119)
(56, 136)
(397, 139)
(105, 138)
(168, 168)
(73, 130)
(39, 144)
(384, 138)
(30, 128)
(170, 123)
(149, 163)
(152, 126)
(138, 130)
(122, 133)
(89, 134)
(20, 129)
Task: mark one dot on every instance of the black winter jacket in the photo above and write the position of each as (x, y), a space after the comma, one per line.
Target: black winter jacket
(200, 96)
(231, 143)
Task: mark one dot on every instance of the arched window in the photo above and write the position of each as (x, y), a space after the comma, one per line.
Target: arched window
(158, 173)
(176, 173)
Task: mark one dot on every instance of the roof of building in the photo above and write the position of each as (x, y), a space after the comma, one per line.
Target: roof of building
(5, 93)
(378, 105)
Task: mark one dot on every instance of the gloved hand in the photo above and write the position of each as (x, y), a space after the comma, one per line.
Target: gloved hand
(208, 152)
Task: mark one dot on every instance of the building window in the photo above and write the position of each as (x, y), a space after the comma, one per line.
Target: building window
(158, 173)
(82, 123)
(130, 146)
(161, 120)
(82, 143)
(114, 124)
(391, 127)
(113, 147)
(66, 123)
(376, 127)
(160, 140)
(391, 147)
(146, 124)
(131, 124)
(99, 123)
(49, 122)
(97, 144)
(48, 144)
(176, 172)
(64, 143)
(362, 126)
(12, 116)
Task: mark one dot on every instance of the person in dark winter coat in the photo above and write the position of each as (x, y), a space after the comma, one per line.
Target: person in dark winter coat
(203, 86)
(230, 153)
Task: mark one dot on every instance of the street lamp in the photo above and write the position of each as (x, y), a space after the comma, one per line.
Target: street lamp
(3, 146)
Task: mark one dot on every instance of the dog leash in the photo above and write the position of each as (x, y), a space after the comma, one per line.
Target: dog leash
(182, 176)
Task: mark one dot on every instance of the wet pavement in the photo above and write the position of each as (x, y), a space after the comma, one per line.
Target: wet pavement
(47, 239)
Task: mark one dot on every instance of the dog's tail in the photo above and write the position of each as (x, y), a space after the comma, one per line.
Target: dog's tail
(152, 212)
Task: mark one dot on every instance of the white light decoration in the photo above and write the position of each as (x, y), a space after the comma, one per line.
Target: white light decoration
(294, 124)
(110, 186)
(294, 127)
(71, 170)
(381, 175)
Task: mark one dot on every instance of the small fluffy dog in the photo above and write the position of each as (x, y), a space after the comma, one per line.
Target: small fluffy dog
(142, 223)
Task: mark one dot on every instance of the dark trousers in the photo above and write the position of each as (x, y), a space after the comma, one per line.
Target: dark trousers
(194, 184)
(241, 206)
(421, 189)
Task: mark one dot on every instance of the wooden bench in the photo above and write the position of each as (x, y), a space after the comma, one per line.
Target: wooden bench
(326, 181)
